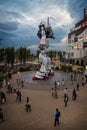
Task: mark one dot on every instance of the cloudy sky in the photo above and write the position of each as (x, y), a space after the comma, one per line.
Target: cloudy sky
(19, 20)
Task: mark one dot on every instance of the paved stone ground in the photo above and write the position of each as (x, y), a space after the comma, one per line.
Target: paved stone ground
(73, 117)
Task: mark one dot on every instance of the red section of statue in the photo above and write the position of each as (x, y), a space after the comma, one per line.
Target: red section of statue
(37, 78)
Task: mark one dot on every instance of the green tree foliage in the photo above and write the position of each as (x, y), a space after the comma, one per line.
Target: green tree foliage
(23, 54)
(2, 54)
(60, 55)
(50, 54)
(10, 55)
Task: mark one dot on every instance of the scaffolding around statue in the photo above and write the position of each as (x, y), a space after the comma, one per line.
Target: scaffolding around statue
(45, 32)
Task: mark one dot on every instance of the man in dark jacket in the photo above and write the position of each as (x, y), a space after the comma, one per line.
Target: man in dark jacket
(57, 115)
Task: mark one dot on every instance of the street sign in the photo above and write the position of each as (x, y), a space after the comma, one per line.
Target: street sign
(69, 47)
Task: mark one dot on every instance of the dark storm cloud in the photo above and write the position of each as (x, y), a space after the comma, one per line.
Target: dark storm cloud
(76, 8)
(9, 26)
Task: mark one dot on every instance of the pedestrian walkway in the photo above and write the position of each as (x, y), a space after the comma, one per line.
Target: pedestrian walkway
(73, 117)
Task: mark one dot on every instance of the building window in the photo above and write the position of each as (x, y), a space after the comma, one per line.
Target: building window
(75, 39)
(72, 54)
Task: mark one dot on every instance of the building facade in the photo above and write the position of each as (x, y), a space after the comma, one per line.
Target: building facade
(76, 51)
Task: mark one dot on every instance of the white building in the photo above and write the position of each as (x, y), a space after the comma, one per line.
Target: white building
(76, 51)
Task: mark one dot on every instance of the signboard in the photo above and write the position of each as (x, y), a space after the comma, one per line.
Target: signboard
(82, 25)
(85, 36)
(86, 67)
(75, 46)
(80, 45)
(80, 38)
(69, 47)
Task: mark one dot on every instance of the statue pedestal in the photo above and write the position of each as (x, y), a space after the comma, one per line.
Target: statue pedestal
(38, 77)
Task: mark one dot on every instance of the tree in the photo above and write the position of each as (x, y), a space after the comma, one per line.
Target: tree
(60, 55)
(28, 54)
(23, 54)
(2, 55)
(10, 55)
(50, 54)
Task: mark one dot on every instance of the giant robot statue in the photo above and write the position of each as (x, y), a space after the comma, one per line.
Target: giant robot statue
(45, 32)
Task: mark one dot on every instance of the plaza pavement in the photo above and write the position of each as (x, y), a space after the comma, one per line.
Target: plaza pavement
(73, 117)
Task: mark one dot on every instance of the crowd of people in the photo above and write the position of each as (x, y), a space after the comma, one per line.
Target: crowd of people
(74, 95)
(17, 91)
(54, 93)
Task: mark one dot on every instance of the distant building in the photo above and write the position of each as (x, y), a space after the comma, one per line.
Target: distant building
(76, 51)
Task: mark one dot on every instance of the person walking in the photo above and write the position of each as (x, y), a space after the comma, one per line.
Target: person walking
(52, 92)
(62, 83)
(55, 93)
(19, 95)
(55, 85)
(66, 99)
(77, 86)
(28, 105)
(1, 115)
(3, 97)
(22, 83)
(57, 116)
(74, 76)
(71, 77)
(74, 94)
(65, 91)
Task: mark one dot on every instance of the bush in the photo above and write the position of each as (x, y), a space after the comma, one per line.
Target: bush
(66, 68)
(57, 68)
(23, 69)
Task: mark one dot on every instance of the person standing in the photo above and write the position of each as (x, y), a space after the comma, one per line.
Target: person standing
(22, 83)
(19, 95)
(52, 92)
(3, 97)
(55, 89)
(1, 115)
(57, 116)
(66, 99)
(77, 86)
(74, 76)
(55, 85)
(74, 94)
(65, 91)
(28, 105)
(62, 82)
(55, 93)
(71, 77)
